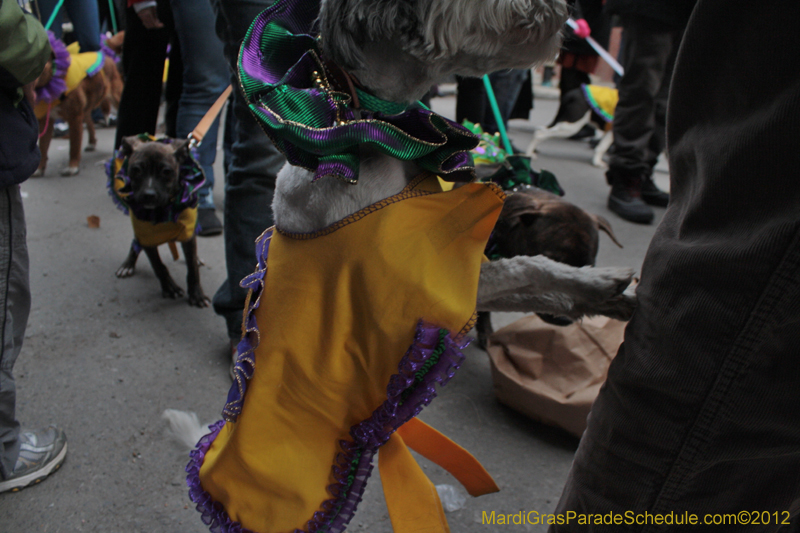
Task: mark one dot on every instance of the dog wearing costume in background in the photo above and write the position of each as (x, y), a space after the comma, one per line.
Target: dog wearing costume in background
(155, 182)
(367, 285)
(588, 104)
(76, 84)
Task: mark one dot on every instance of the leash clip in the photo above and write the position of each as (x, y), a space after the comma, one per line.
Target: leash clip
(193, 142)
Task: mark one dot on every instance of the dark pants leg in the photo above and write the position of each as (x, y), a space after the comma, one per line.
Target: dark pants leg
(649, 55)
(250, 180)
(143, 54)
(15, 304)
(470, 100)
(701, 410)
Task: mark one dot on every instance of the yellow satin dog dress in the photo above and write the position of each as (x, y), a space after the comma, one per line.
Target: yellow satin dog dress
(348, 332)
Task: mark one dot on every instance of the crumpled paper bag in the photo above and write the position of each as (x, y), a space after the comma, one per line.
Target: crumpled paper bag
(552, 374)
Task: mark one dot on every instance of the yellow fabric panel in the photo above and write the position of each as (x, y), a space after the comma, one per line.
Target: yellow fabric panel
(606, 97)
(411, 498)
(338, 313)
(77, 69)
(149, 234)
(435, 447)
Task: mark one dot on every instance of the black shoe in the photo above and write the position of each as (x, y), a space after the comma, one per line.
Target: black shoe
(653, 195)
(208, 222)
(626, 199)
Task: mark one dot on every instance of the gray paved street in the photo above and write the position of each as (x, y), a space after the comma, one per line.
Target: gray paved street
(103, 357)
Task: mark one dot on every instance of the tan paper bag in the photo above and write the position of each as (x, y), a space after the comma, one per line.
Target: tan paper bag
(553, 373)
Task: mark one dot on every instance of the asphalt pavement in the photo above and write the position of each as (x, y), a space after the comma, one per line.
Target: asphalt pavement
(103, 357)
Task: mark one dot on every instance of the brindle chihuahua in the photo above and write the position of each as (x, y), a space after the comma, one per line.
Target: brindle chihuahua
(154, 171)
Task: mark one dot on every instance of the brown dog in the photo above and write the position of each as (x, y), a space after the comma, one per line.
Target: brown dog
(75, 106)
(157, 183)
(536, 222)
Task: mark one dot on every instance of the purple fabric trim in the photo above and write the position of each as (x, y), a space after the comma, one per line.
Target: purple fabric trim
(57, 85)
(106, 50)
(245, 361)
(430, 362)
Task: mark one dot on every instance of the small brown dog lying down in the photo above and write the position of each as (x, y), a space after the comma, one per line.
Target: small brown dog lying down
(89, 80)
(536, 222)
(156, 182)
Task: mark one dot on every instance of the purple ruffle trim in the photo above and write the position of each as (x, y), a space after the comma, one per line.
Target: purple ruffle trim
(430, 362)
(106, 50)
(57, 84)
(245, 361)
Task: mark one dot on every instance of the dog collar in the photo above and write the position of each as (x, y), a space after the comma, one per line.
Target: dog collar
(119, 187)
(288, 88)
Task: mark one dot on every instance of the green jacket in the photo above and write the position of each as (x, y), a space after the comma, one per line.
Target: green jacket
(24, 51)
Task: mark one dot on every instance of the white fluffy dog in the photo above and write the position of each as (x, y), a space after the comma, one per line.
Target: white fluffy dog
(397, 49)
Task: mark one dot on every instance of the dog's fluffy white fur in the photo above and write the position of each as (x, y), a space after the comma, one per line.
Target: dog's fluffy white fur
(399, 48)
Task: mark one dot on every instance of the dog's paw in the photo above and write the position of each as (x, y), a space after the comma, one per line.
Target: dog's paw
(197, 298)
(39, 173)
(90, 148)
(125, 270)
(70, 171)
(605, 291)
(171, 290)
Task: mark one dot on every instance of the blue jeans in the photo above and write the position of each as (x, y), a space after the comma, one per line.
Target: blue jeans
(85, 21)
(205, 76)
(253, 165)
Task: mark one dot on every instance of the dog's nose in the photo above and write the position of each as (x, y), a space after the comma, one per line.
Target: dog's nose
(149, 195)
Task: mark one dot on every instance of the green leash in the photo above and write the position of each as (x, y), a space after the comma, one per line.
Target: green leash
(497, 117)
(53, 14)
(113, 16)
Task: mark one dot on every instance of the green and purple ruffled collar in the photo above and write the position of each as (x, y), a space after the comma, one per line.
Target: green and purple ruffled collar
(289, 90)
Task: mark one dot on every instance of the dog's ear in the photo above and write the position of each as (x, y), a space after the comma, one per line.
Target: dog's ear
(129, 145)
(603, 225)
(181, 150)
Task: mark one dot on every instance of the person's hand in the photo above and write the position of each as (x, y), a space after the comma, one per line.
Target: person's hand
(149, 18)
(29, 90)
(583, 30)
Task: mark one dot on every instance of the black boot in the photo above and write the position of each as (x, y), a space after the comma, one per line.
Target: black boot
(626, 198)
(652, 195)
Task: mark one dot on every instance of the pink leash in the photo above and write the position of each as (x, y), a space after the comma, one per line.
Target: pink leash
(47, 120)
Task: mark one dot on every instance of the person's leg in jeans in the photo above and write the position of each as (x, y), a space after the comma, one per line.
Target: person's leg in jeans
(700, 412)
(649, 46)
(85, 17)
(15, 304)
(205, 77)
(250, 180)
